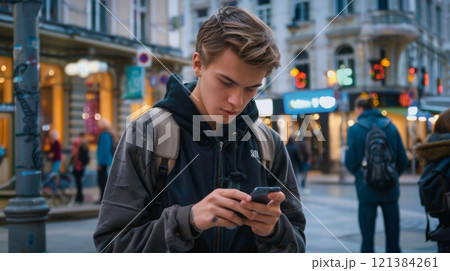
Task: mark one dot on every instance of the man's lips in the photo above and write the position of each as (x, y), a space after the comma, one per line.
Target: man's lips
(229, 112)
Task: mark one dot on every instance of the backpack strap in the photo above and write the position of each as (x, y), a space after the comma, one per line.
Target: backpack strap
(266, 144)
(166, 146)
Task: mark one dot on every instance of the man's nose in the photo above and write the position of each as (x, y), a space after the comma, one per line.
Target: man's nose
(236, 97)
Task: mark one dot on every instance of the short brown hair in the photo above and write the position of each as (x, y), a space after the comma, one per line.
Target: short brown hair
(364, 101)
(242, 32)
(442, 124)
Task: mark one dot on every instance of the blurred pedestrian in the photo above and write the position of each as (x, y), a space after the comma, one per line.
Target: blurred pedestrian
(55, 154)
(105, 152)
(369, 197)
(80, 159)
(295, 156)
(436, 153)
(306, 159)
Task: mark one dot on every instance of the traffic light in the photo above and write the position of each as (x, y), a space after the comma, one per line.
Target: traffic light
(377, 71)
(411, 74)
(300, 78)
(440, 88)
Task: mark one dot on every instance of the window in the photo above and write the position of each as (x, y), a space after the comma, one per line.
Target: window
(341, 4)
(201, 15)
(383, 5)
(438, 21)
(301, 75)
(140, 20)
(49, 10)
(345, 59)
(301, 11)
(418, 10)
(429, 19)
(99, 16)
(264, 11)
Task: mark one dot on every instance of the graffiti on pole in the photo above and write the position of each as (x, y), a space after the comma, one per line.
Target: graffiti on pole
(30, 128)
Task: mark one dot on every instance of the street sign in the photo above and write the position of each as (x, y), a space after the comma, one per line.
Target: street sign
(135, 82)
(144, 58)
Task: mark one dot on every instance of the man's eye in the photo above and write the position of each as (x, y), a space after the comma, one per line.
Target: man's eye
(250, 89)
(227, 84)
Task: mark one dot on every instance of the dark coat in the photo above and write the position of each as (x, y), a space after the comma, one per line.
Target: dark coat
(356, 141)
(436, 153)
(221, 163)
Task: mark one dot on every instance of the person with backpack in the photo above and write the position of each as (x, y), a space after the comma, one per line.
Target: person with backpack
(203, 204)
(376, 157)
(434, 183)
(80, 159)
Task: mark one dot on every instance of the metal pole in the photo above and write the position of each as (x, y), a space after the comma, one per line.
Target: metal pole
(27, 212)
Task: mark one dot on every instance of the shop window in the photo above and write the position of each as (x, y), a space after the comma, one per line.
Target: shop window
(92, 114)
(98, 104)
(6, 95)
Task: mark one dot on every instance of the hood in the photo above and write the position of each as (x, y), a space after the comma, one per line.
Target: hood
(177, 101)
(436, 147)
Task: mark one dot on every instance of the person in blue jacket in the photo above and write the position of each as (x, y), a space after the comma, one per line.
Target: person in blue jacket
(206, 205)
(105, 152)
(369, 198)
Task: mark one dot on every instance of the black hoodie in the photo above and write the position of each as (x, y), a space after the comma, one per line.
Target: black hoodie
(221, 163)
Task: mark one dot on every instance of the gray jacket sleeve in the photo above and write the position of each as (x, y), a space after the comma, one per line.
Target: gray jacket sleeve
(289, 235)
(124, 223)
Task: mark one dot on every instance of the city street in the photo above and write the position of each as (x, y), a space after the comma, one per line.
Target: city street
(330, 209)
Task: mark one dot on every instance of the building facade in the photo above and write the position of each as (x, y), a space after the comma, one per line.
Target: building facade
(102, 40)
(397, 50)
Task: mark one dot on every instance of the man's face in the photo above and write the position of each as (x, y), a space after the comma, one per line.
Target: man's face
(226, 86)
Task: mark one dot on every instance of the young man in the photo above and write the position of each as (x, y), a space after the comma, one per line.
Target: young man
(207, 207)
(369, 198)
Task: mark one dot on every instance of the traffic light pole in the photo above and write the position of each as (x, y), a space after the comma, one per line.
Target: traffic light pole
(27, 212)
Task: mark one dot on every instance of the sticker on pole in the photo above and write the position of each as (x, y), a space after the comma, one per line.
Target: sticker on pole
(144, 58)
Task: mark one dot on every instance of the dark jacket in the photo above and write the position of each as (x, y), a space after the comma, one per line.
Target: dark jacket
(356, 141)
(436, 153)
(227, 165)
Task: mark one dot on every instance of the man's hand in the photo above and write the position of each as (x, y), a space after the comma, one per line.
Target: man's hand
(217, 209)
(265, 216)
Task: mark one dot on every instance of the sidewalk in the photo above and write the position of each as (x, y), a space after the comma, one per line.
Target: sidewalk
(71, 211)
(315, 176)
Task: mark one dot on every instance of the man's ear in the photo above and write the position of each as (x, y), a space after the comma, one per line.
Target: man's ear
(197, 64)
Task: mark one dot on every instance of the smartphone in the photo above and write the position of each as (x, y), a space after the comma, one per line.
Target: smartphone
(259, 194)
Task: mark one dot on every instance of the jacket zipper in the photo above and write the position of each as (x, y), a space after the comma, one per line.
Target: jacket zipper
(219, 171)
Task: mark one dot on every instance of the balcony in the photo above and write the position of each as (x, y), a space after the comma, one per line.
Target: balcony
(382, 24)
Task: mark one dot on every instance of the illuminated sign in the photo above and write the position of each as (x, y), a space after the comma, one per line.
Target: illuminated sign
(307, 102)
(344, 76)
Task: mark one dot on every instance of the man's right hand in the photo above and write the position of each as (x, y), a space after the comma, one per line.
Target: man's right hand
(218, 209)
